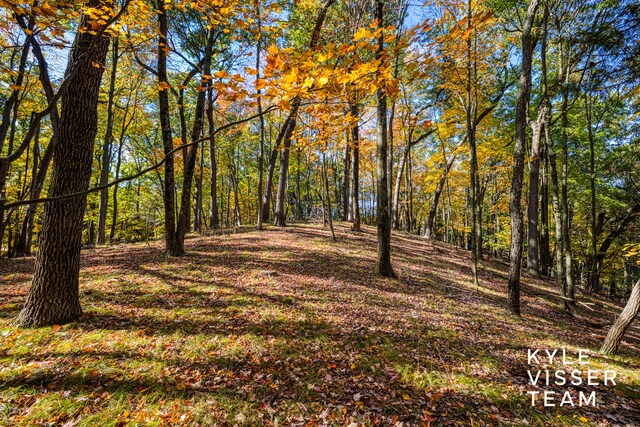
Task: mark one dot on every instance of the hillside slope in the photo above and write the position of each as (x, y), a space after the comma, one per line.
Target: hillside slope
(285, 327)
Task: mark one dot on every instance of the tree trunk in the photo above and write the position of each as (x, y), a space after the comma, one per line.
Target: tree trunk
(396, 192)
(325, 181)
(345, 181)
(515, 250)
(566, 221)
(355, 167)
(623, 221)
(614, 337)
(53, 297)
(533, 247)
(430, 229)
(383, 219)
(279, 213)
(298, 211)
(114, 215)
(184, 217)
(593, 274)
(270, 172)
(173, 245)
(291, 121)
(556, 206)
(106, 148)
(544, 214)
(23, 246)
(261, 202)
(197, 211)
(470, 112)
(214, 217)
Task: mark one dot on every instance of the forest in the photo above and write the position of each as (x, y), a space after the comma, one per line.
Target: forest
(319, 212)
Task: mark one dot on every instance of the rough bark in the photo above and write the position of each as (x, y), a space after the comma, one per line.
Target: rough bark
(172, 243)
(53, 297)
(622, 323)
(383, 219)
(515, 208)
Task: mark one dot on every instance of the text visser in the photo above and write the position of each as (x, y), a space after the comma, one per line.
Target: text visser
(564, 377)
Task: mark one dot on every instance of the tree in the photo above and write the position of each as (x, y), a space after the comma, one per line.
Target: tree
(383, 220)
(53, 296)
(622, 323)
(515, 250)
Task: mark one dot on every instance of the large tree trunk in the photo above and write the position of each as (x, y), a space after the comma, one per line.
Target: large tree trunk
(53, 297)
(515, 250)
(279, 213)
(173, 245)
(106, 148)
(383, 218)
(470, 113)
(612, 341)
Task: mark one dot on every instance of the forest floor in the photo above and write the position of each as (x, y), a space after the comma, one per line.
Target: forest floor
(285, 327)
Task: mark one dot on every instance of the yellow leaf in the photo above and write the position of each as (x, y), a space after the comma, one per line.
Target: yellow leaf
(222, 74)
(361, 34)
(272, 50)
(308, 82)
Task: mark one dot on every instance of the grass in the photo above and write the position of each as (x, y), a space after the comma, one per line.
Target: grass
(285, 327)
